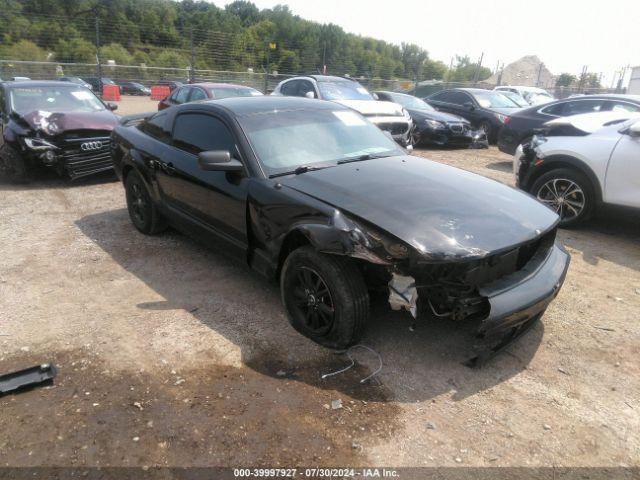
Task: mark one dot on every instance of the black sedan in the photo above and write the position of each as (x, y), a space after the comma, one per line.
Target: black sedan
(134, 88)
(485, 109)
(312, 194)
(431, 126)
(520, 127)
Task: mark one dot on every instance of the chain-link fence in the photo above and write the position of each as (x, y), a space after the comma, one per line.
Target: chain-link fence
(92, 44)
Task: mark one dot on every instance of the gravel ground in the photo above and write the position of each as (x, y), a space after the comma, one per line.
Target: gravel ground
(171, 354)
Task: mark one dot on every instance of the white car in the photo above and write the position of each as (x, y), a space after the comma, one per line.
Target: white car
(581, 162)
(532, 95)
(388, 116)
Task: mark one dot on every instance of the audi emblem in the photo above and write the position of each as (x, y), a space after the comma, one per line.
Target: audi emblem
(88, 146)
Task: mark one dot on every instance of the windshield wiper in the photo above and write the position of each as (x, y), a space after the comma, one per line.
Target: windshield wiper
(362, 158)
(299, 170)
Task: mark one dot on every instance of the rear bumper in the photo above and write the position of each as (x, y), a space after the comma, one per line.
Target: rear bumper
(518, 300)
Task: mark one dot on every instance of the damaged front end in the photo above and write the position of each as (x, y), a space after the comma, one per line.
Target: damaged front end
(506, 292)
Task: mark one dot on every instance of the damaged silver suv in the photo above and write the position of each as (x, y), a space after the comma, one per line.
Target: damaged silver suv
(312, 194)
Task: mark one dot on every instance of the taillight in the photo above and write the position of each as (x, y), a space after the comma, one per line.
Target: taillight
(506, 120)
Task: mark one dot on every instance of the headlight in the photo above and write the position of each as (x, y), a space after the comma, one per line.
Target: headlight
(435, 124)
(501, 118)
(39, 144)
(537, 140)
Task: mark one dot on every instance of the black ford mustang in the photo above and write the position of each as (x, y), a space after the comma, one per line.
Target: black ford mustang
(311, 193)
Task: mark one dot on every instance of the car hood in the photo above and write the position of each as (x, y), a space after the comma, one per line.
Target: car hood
(53, 123)
(443, 212)
(439, 116)
(373, 107)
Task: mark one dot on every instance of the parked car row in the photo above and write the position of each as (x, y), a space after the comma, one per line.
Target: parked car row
(310, 193)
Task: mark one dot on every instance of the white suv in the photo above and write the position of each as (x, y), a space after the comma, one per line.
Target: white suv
(580, 162)
(531, 95)
(388, 116)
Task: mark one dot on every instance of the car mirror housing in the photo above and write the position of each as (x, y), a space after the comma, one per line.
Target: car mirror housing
(218, 161)
(310, 94)
(375, 96)
(469, 106)
(112, 106)
(634, 129)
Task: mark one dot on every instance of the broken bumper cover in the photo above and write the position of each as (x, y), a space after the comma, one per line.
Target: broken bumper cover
(518, 300)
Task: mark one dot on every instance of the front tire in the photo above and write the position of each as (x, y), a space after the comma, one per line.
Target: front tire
(488, 130)
(325, 297)
(143, 212)
(567, 192)
(12, 166)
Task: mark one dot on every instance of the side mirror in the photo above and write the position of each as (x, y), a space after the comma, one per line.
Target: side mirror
(218, 161)
(310, 94)
(469, 106)
(112, 106)
(375, 96)
(634, 129)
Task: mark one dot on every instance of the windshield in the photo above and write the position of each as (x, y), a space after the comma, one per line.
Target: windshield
(285, 140)
(489, 99)
(521, 102)
(226, 92)
(343, 90)
(53, 99)
(410, 102)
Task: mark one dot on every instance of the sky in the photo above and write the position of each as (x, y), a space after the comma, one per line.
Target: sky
(565, 34)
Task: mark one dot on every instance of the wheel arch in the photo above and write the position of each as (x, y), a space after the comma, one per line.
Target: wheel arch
(566, 161)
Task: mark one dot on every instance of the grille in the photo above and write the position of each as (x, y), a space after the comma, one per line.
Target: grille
(85, 156)
(458, 127)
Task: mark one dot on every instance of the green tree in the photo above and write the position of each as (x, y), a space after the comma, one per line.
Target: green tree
(23, 50)
(75, 50)
(565, 80)
(117, 53)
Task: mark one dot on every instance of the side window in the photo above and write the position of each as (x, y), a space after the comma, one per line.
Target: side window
(613, 106)
(1, 101)
(556, 109)
(290, 88)
(198, 132)
(459, 98)
(157, 127)
(305, 86)
(440, 96)
(197, 94)
(181, 95)
(582, 106)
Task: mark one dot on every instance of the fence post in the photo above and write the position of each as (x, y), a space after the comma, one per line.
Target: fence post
(192, 73)
(98, 66)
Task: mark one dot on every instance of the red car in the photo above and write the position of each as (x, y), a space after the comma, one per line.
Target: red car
(206, 91)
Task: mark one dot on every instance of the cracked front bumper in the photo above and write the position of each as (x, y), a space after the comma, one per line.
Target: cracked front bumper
(518, 300)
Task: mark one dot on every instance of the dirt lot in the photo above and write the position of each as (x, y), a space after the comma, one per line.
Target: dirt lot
(171, 354)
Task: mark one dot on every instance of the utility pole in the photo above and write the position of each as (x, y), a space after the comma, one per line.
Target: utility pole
(583, 77)
(324, 58)
(539, 73)
(192, 74)
(98, 65)
(476, 75)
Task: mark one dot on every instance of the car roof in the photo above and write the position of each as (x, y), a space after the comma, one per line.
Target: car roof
(39, 83)
(240, 106)
(217, 85)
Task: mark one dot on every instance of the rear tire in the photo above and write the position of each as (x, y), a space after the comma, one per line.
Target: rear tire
(143, 212)
(12, 166)
(568, 192)
(325, 297)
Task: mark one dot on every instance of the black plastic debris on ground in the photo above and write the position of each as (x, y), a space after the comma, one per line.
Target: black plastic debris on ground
(28, 378)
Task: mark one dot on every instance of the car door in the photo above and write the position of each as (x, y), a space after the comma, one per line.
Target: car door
(622, 182)
(210, 200)
(3, 116)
